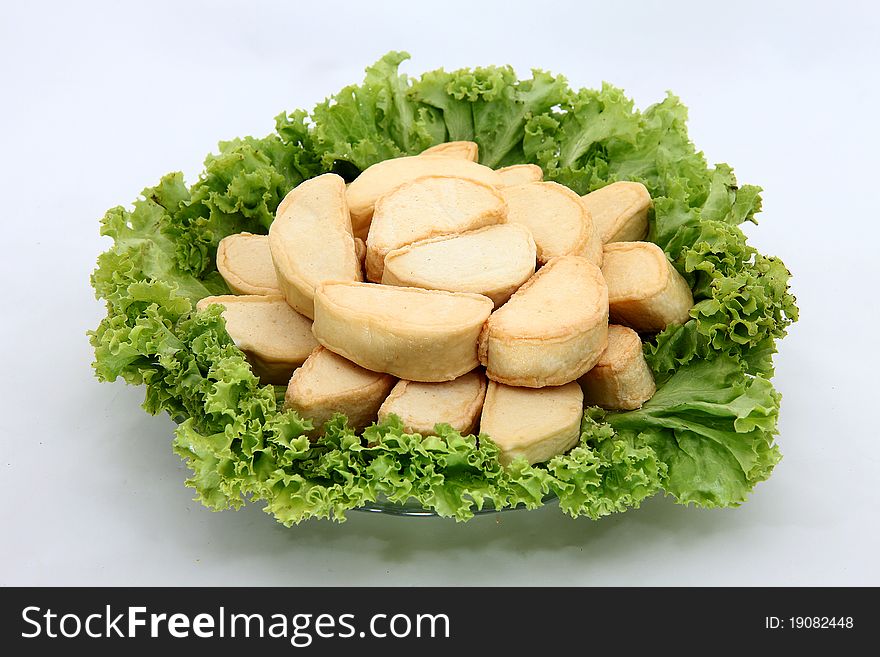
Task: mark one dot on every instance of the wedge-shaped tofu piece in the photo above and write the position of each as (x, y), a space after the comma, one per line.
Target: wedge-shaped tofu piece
(429, 207)
(536, 424)
(328, 383)
(621, 379)
(382, 177)
(245, 263)
(493, 261)
(557, 218)
(275, 338)
(360, 250)
(645, 292)
(520, 174)
(311, 240)
(553, 329)
(620, 211)
(414, 334)
(465, 150)
(421, 406)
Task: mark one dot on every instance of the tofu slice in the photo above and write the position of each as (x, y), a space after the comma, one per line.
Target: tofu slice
(421, 406)
(557, 218)
(493, 261)
(311, 240)
(465, 150)
(520, 174)
(245, 263)
(377, 180)
(414, 334)
(620, 211)
(645, 292)
(328, 383)
(275, 338)
(360, 250)
(621, 379)
(553, 329)
(429, 207)
(535, 423)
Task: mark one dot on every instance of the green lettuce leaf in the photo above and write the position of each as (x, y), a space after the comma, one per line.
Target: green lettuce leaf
(490, 106)
(588, 123)
(712, 425)
(239, 191)
(452, 474)
(606, 473)
(375, 121)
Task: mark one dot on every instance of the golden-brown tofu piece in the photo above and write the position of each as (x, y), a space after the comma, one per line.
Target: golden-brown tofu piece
(621, 379)
(245, 263)
(620, 211)
(328, 383)
(520, 174)
(275, 338)
(414, 334)
(464, 150)
(421, 406)
(429, 207)
(645, 292)
(379, 179)
(534, 423)
(494, 261)
(311, 240)
(553, 329)
(557, 218)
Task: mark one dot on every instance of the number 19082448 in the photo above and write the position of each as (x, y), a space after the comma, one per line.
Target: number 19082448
(809, 622)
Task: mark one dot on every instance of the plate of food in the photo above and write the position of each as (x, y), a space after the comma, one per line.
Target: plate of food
(453, 294)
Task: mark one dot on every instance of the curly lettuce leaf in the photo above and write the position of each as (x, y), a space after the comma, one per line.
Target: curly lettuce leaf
(490, 106)
(606, 473)
(742, 300)
(238, 191)
(375, 121)
(452, 474)
(587, 124)
(141, 252)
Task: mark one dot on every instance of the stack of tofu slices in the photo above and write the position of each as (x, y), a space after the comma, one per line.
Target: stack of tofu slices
(486, 304)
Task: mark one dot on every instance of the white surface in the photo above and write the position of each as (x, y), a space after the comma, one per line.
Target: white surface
(101, 99)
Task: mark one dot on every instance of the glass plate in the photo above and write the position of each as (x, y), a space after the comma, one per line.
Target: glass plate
(414, 509)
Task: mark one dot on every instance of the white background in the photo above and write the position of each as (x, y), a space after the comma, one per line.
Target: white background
(100, 99)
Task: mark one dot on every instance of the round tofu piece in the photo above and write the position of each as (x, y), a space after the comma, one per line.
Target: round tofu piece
(645, 292)
(328, 383)
(377, 180)
(620, 211)
(534, 423)
(429, 207)
(275, 338)
(311, 240)
(493, 261)
(553, 329)
(422, 406)
(621, 379)
(465, 150)
(414, 334)
(245, 263)
(520, 174)
(557, 218)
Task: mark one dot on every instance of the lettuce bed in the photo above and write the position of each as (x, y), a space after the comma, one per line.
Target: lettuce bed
(705, 438)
